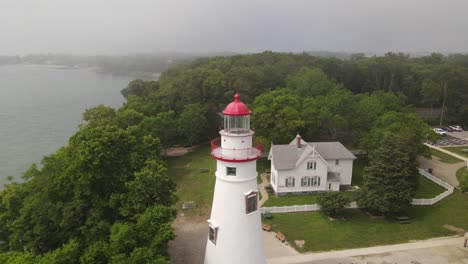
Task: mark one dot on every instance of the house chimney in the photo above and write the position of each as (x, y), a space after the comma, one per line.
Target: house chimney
(298, 141)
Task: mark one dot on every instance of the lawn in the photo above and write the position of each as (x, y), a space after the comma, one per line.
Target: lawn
(360, 230)
(427, 188)
(192, 184)
(290, 200)
(444, 157)
(462, 175)
(458, 150)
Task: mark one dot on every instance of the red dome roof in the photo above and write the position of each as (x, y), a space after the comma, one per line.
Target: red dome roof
(237, 108)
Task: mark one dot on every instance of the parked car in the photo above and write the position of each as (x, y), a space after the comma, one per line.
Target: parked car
(448, 129)
(456, 128)
(440, 131)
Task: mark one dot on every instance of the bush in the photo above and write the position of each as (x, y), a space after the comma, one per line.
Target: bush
(333, 203)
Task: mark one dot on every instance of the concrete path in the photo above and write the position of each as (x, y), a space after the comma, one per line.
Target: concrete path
(444, 171)
(448, 152)
(354, 255)
(273, 248)
(261, 188)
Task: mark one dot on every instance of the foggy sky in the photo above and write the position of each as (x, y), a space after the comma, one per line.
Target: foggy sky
(137, 26)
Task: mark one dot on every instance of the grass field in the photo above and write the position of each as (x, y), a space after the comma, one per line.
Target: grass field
(458, 150)
(427, 188)
(319, 232)
(193, 185)
(462, 175)
(444, 157)
(360, 230)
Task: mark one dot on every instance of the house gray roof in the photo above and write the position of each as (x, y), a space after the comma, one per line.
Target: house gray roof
(285, 156)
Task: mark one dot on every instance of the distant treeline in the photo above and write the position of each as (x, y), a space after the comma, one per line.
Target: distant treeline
(117, 64)
(323, 98)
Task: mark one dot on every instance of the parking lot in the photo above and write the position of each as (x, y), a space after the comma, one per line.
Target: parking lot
(454, 139)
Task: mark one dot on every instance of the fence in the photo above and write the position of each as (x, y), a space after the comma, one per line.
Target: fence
(354, 205)
(299, 208)
(438, 197)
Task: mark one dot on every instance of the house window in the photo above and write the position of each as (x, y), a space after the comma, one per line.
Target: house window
(213, 234)
(305, 181)
(315, 181)
(290, 181)
(310, 181)
(337, 162)
(251, 202)
(231, 171)
(311, 165)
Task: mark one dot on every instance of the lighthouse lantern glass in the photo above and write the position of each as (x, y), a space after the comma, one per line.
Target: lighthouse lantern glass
(237, 124)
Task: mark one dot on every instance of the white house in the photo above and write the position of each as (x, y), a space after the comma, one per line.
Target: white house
(302, 167)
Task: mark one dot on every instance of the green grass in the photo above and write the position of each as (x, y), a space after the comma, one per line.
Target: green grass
(193, 185)
(290, 200)
(458, 150)
(444, 157)
(360, 230)
(462, 175)
(427, 188)
(358, 169)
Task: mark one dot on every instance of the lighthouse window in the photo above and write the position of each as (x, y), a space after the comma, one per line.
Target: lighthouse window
(231, 171)
(213, 234)
(251, 202)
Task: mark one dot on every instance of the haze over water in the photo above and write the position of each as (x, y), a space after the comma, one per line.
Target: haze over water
(41, 107)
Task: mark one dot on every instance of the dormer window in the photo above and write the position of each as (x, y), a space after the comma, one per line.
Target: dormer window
(312, 165)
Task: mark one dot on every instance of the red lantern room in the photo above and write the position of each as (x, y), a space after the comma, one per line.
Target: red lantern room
(237, 117)
(235, 144)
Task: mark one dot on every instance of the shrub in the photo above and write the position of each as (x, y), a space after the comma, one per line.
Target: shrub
(333, 203)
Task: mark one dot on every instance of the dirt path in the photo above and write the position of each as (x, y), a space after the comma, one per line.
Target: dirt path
(261, 189)
(190, 242)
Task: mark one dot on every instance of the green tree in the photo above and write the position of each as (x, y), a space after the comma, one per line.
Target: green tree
(311, 82)
(193, 124)
(333, 203)
(389, 180)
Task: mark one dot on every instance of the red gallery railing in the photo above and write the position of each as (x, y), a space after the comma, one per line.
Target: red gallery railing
(234, 155)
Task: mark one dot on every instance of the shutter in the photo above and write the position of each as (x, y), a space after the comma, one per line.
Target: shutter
(318, 181)
(293, 182)
(315, 165)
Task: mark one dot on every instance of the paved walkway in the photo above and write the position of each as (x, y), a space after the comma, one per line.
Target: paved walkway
(274, 248)
(261, 188)
(447, 152)
(444, 171)
(343, 256)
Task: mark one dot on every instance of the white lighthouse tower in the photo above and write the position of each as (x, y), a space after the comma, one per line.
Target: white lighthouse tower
(235, 235)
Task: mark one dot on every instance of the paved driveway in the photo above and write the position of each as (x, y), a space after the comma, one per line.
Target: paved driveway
(444, 171)
(461, 135)
(452, 141)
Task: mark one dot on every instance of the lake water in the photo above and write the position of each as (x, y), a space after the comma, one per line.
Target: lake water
(41, 107)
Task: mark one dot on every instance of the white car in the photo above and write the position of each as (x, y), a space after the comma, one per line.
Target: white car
(440, 131)
(456, 128)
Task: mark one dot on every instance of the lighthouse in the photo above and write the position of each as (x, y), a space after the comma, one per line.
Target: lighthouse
(235, 235)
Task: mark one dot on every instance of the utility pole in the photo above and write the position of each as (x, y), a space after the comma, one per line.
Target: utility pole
(443, 104)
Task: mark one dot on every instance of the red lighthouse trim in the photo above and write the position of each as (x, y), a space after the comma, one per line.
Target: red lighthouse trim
(237, 108)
